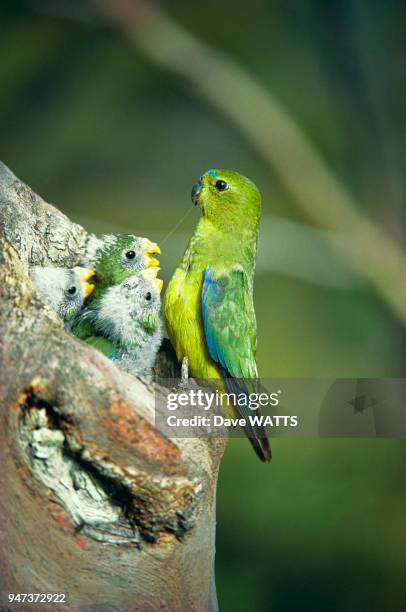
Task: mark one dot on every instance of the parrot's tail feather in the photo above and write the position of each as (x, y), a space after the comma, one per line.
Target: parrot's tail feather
(256, 433)
(260, 443)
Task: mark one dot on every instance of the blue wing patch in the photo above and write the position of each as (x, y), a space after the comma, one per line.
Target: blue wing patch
(212, 293)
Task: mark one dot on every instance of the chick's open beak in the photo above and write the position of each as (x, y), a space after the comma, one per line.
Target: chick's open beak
(152, 262)
(151, 274)
(85, 275)
(151, 248)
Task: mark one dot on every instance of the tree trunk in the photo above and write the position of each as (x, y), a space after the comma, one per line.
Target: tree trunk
(95, 502)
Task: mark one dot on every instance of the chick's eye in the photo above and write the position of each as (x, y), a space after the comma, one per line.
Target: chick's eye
(130, 254)
(72, 290)
(148, 296)
(221, 185)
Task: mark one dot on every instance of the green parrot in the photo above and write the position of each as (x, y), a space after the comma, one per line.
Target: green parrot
(66, 289)
(208, 305)
(127, 324)
(114, 258)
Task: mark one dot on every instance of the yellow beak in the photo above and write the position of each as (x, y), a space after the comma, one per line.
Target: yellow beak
(151, 248)
(152, 262)
(85, 275)
(151, 274)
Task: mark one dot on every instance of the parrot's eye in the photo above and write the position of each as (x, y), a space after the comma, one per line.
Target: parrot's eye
(221, 185)
(148, 296)
(130, 254)
(72, 290)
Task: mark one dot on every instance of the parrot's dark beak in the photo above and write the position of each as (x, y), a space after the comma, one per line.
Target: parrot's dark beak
(197, 187)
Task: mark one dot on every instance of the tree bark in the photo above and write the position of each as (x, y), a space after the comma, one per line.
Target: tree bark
(95, 502)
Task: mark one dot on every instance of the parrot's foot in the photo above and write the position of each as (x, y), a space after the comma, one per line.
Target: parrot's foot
(185, 369)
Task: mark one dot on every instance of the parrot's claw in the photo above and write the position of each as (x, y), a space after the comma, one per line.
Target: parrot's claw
(185, 370)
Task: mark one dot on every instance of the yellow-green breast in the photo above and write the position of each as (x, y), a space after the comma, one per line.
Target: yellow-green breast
(182, 305)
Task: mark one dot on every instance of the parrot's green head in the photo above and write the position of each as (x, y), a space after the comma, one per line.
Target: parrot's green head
(228, 199)
(117, 257)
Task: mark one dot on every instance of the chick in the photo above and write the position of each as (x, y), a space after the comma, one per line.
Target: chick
(116, 257)
(64, 288)
(127, 323)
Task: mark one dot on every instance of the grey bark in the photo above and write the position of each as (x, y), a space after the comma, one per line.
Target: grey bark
(95, 501)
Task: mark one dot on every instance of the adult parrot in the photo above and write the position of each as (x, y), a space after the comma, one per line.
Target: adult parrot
(208, 305)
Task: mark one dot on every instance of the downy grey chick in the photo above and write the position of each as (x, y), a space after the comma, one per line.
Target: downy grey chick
(64, 288)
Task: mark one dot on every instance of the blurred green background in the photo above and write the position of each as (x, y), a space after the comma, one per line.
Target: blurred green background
(117, 142)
